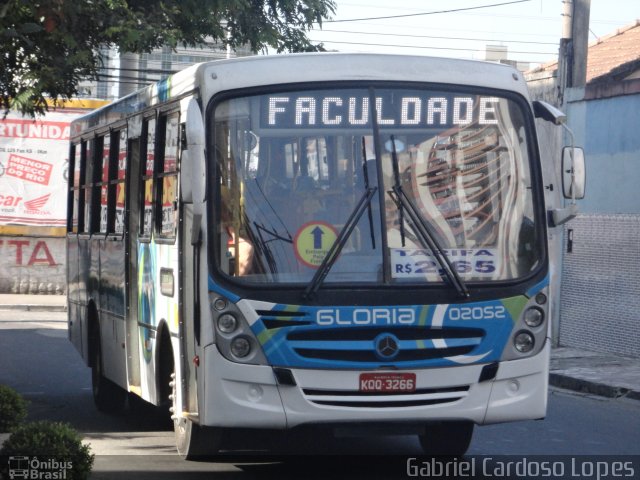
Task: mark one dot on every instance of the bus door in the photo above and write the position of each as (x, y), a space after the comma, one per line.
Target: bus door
(192, 297)
(134, 207)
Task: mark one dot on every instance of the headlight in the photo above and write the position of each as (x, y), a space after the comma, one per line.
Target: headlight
(524, 341)
(227, 323)
(240, 347)
(533, 317)
(531, 326)
(232, 333)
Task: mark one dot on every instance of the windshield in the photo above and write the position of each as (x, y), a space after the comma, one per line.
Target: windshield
(296, 168)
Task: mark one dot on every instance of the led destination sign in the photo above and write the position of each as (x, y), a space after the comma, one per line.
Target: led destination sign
(331, 109)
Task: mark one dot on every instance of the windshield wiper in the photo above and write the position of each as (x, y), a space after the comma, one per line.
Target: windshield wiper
(338, 245)
(421, 227)
(365, 176)
(263, 244)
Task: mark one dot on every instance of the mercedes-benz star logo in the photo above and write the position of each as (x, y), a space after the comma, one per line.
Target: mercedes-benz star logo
(387, 346)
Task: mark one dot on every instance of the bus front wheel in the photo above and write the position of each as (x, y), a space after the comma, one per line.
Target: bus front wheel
(447, 438)
(192, 441)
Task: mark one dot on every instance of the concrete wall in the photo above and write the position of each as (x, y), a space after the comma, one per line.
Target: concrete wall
(600, 301)
(32, 265)
(601, 285)
(608, 129)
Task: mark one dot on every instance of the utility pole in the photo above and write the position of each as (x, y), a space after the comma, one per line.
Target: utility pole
(572, 72)
(572, 62)
(580, 34)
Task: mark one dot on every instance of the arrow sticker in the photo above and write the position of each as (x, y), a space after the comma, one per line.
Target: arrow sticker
(317, 238)
(313, 241)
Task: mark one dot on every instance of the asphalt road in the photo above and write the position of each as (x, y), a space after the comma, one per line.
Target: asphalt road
(37, 360)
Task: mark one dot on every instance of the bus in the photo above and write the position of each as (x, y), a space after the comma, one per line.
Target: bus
(348, 242)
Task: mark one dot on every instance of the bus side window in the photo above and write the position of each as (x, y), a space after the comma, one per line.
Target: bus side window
(87, 179)
(167, 178)
(149, 130)
(117, 171)
(103, 181)
(74, 188)
(94, 177)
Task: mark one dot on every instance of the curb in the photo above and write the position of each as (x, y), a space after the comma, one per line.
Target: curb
(35, 308)
(586, 386)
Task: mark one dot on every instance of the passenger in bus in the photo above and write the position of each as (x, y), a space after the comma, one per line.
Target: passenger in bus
(241, 254)
(307, 200)
(239, 249)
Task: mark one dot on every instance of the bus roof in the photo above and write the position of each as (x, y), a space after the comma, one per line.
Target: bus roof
(263, 70)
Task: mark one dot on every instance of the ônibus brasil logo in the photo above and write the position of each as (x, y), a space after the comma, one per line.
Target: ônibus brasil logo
(37, 469)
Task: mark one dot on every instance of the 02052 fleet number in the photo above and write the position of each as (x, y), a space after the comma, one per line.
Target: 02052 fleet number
(486, 312)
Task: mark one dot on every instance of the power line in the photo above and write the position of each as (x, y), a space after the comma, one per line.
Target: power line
(426, 13)
(145, 70)
(121, 77)
(409, 27)
(440, 37)
(424, 47)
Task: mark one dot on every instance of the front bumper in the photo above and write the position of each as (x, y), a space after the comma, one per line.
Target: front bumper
(249, 396)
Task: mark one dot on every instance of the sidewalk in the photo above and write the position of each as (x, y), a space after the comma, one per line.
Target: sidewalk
(34, 303)
(595, 373)
(602, 374)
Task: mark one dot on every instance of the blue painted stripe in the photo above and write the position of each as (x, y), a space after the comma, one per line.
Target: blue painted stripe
(364, 345)
(214, 287)
(537, 287)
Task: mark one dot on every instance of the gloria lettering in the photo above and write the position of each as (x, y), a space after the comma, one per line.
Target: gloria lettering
(366, 316)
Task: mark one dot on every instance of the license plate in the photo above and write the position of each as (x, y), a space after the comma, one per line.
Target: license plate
(387, 382)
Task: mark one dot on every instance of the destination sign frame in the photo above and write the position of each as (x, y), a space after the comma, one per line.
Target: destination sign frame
(395, 108)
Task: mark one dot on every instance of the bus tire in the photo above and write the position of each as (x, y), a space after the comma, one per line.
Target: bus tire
(107, 396)
(193, 442)
(447, 438)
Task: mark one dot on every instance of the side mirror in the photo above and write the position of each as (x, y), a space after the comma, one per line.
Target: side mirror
(192, 165)
(573, 173)
(548, 112)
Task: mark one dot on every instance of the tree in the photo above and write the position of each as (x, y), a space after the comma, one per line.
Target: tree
(48, 46)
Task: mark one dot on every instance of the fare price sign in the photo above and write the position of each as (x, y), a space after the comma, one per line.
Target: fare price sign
(471, 262)
(394, 108)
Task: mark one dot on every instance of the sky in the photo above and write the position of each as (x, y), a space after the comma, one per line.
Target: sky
(530, 29)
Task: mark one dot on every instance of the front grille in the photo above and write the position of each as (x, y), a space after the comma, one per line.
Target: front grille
(356, 399)
(369, 333)
(358, 344)
(370, 356)
(282, 319)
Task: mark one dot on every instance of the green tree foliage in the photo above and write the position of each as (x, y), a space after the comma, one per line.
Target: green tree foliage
(13, 409)
(55, 445)
(48, 46)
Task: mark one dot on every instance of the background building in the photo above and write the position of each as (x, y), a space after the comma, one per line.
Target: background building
(600, 282)
(34, 167)
(124, 73)
(500, 54)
